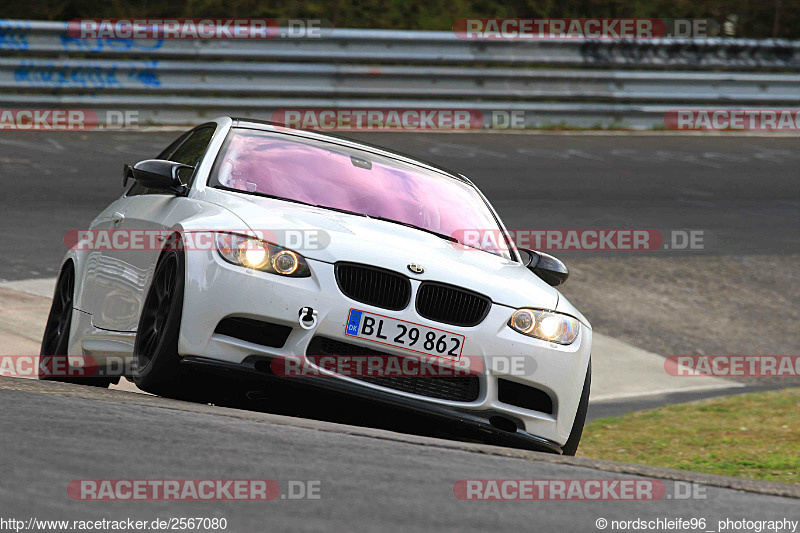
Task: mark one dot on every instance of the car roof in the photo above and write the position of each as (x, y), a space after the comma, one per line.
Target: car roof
(266, 125)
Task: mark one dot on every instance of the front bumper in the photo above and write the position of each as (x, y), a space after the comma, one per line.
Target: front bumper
(478, 421)
(216, 290)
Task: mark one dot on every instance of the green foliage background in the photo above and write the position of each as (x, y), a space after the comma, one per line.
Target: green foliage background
(756, 18)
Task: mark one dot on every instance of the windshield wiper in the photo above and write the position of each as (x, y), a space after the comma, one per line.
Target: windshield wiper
(263, 195)
(426, 230)
(393, 221)
(276, 197)
(340, 210)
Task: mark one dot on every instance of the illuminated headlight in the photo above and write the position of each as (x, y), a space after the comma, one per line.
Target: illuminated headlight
(258, 255)
(545, 325)
(285, 262)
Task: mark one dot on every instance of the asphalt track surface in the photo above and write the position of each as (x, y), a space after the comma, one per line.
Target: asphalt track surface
(368, 479)
(742, 192)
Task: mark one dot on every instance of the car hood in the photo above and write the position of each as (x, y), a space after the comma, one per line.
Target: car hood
(345, 237)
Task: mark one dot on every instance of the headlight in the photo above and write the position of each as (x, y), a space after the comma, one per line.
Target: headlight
(258, 255)
(552, 327)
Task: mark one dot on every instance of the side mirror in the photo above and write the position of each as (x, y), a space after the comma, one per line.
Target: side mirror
(551, 269)
(156, 174)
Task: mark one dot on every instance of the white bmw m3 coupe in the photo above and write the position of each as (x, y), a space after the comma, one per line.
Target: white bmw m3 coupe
(247, 248)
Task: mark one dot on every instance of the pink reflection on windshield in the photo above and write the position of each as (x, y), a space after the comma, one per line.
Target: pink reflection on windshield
(321, 176)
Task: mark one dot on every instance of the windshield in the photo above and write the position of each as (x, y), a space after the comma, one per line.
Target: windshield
(329, 175)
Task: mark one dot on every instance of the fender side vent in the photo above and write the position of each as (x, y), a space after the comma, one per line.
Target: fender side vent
(255, 331)
(518, 395)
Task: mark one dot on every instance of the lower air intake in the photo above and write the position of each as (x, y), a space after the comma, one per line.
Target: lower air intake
(456, 389)
(519, 395)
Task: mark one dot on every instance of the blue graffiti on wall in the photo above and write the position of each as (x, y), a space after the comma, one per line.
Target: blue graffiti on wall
(87, 75)
(71, 44)
(14, 35)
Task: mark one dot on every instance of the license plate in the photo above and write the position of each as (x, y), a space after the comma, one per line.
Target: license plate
(406, 335)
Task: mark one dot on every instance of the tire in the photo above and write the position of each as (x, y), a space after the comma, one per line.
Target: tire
(157, 364)
(55, 341)
(571, 446)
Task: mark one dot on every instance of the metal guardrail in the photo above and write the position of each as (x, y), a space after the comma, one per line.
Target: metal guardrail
(626, 83)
